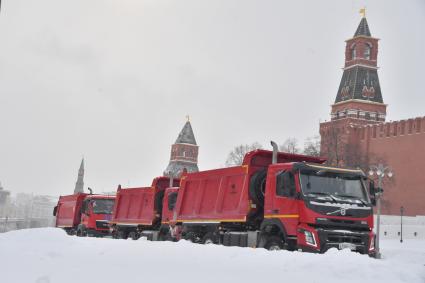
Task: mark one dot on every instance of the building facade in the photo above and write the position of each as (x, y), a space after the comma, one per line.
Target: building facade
(359, 136)
(184, 153)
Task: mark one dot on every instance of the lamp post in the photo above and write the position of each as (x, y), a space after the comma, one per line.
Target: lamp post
(380, 171)
(401, 224)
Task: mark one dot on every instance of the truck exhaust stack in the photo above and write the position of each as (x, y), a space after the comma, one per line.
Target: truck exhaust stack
(274, 156)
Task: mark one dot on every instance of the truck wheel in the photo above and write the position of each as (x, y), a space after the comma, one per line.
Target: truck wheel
(257, 187)
(165, 235)
(191, 237)
(81, 233)
(114, 234)
(274, 243)
(122, 235)
(209, 238)
(133, 235)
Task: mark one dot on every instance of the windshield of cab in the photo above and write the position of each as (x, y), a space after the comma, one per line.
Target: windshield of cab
(337, 186)
(103, 206)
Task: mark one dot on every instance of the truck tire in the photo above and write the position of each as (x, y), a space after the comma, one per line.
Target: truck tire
(122, 234)
(257, 187)
(134, 235)
(209, 238)
(81, 232)
(191, 237)
(274, 243)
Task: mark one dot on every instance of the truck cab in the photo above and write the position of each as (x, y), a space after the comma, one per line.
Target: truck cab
(313, 207)
(96, 213)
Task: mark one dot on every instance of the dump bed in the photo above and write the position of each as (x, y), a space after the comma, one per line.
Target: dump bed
(222, 195)
(68, 211)
(142, 205)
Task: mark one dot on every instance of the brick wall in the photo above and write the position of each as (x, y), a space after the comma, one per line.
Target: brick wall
(400, 145)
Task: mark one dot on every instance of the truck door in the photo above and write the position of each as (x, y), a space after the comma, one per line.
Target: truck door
(282, 204)
(85, 212)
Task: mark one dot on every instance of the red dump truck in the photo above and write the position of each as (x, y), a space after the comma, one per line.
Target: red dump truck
(138, 211)
(84, 214)
(274, 200)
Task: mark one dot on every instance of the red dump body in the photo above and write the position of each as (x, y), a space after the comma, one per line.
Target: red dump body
(68, 211)
(140, 206)
(222, 195)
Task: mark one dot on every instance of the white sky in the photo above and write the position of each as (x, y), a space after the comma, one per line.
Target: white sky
(114, 79)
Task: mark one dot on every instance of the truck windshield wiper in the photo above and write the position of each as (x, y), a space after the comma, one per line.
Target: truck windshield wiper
(353, 197)
(323, 194)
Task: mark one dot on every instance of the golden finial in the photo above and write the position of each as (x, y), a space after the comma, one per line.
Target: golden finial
(363, 12)
(188, 118)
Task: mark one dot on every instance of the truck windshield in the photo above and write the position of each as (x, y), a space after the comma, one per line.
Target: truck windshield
(103, 206)
(334, 185)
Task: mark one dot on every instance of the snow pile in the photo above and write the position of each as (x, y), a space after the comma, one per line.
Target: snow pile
(48, 255)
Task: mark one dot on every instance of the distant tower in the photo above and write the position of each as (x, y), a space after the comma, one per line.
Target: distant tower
(79, 186)
(184, 153)
(359, 96)
(358, 101)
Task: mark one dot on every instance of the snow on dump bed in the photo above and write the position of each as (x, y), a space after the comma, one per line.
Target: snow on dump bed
(48, 255)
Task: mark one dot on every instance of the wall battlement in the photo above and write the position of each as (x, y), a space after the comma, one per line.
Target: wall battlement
(393, 129)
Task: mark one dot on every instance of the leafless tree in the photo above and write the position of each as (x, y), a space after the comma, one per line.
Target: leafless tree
(290, 145)
(332, 145)
(312, 146)
(236, 156)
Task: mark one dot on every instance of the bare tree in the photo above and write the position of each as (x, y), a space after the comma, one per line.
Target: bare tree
(290, 145)
(236, 156)
(332, 145)
(312, 146)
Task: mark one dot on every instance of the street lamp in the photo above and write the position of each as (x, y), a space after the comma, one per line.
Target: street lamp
(401, 224)
(381, 171)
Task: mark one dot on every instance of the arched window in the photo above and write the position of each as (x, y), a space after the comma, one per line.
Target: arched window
(367, 49)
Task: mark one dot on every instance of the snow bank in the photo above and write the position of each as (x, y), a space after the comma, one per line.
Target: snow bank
(48, 255)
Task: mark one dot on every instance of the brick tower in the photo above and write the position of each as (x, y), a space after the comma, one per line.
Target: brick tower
(184, 153)
(358, 136)
(358, 100)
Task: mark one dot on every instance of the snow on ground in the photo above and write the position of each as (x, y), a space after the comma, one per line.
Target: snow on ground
(48, 255)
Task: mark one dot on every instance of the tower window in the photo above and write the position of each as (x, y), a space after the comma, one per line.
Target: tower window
(367, 116)
(367, 51)
(353, 52)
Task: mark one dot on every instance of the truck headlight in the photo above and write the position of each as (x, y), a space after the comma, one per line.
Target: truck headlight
(309, 238)
(372, 243)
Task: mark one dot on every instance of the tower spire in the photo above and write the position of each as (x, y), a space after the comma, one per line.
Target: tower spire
(79, 185)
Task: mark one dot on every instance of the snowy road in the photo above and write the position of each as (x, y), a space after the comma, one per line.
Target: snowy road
(50, 256)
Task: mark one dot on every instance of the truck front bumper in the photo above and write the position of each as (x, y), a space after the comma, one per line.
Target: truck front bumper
(320, 240)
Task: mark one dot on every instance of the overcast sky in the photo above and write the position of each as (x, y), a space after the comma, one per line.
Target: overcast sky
(112, 80)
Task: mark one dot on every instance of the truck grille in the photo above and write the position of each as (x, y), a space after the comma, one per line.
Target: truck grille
(333, 239)
(102, 224)
(344, 238)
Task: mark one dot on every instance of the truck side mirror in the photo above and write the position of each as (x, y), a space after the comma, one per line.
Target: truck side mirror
(55, 210)
(372, 192)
